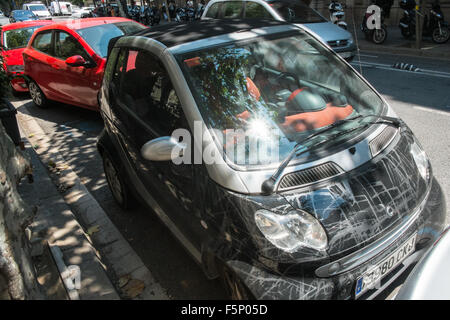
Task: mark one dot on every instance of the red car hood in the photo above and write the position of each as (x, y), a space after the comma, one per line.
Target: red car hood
(13, 56)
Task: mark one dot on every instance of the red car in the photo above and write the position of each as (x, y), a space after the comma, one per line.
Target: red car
(14, 39)
(65, 61)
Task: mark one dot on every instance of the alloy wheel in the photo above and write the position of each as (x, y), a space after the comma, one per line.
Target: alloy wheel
(35, 94)
(441, 35)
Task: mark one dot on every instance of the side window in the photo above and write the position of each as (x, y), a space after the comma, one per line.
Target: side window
(232, 9)
(43, 42)
(213, 11)
(255, 10)
(67, 46)
(147, 91)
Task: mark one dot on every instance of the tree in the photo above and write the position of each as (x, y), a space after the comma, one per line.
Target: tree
(17, 276)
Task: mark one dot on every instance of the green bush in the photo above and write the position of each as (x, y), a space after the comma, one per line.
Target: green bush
(4, 82)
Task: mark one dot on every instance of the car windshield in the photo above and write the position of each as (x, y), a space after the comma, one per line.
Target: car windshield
(23, 13)
(38, 7)
(296, 12)
(278, 89)
(18, 38)
(98, 36)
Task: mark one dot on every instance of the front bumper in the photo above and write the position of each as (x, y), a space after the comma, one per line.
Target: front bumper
(266, 285)
(346, 52)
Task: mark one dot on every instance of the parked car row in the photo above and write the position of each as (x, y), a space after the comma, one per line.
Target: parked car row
(343, 202)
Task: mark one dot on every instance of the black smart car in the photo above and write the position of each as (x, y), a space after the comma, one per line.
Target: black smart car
(275, 164)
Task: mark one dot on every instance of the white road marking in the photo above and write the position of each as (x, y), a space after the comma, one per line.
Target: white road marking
(426, 72)
(444, 113)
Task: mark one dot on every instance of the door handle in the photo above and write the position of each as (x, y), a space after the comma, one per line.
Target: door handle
(55, 66)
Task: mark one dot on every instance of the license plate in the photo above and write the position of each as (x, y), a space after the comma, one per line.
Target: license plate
(372, 277)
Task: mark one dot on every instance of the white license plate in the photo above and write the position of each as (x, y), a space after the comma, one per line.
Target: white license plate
(372, 277)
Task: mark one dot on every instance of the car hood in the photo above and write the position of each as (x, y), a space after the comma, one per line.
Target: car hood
(14, 56)
(366, 203)
(328, 31)
(42, 13)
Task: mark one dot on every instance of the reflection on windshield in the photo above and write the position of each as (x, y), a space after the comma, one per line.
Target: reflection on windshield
(280, 89)
(98, 36)
(297, 12)
(18, 38)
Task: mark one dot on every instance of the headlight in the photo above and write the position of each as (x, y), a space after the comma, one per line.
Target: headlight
(15, 68)
(291, 231)
(421, 160)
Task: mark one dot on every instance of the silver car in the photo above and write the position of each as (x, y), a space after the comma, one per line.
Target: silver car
(294, 11)
(430, 278)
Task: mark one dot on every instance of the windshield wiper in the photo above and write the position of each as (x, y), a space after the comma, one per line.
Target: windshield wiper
(268, 185)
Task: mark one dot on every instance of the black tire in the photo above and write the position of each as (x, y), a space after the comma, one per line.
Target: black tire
(121, 192)
(234, 286)
(440, 35)
(37, 95)
(379, 35)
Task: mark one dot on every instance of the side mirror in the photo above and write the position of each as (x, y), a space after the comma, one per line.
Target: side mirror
(160, 149)
(76, 61)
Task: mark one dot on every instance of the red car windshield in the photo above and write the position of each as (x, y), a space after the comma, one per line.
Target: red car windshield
(18, 38)
(98, 36)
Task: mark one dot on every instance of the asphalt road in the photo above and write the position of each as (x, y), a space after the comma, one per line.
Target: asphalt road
(421, 99)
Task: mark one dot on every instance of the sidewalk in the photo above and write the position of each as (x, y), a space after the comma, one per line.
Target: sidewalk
(69, 218)
(396, 44)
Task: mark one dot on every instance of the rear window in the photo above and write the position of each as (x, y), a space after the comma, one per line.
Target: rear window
(297, 12)
(98, 36)
(18, 38)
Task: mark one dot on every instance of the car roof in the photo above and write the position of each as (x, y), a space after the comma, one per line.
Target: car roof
(174, 34)
(24, 24)
(76, 24)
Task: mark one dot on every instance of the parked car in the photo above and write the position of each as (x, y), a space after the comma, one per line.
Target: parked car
(2, 14)
(294, 11)
(38, 8)
(61, 8)
(430, 279)
(274, 162)
(14, 39)
(65, 61)
(22, 15)
(84, 12)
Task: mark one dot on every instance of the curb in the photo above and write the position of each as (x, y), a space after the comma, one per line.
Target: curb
(125, 268)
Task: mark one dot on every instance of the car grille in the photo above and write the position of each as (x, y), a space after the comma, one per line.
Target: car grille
(338, 43)
(382, 140)
(308, 176)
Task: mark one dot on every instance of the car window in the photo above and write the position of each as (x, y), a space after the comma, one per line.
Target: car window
(213, 11)
(232, 9)
(43, 42)
(18, 38)
(297, 12)
(67, 46)
(147, 91)
(255, 10)
(98, 36)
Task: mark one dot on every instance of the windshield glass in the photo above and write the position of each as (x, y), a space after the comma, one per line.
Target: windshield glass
(23, 13)
(37, 7)
(98, 36)
(278, 90)
(296, 12)
(18, 38)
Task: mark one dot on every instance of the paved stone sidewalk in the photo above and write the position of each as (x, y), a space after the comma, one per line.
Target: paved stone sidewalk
(76, 223)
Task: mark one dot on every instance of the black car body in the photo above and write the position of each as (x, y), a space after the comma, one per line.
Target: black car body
(338, 213)
(22, 15)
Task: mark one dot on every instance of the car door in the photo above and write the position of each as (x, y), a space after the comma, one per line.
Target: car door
(149, 108)
(42, 66)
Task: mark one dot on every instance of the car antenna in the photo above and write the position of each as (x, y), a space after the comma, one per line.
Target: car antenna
(356, 40)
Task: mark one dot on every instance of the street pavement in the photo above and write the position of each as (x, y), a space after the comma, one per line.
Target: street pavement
(422, 99)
